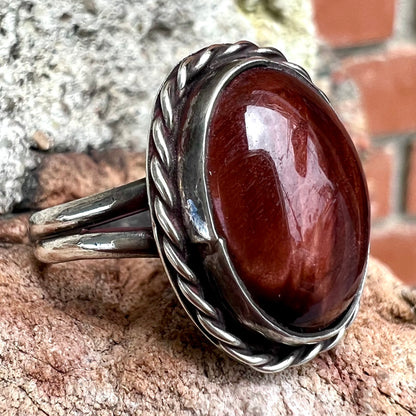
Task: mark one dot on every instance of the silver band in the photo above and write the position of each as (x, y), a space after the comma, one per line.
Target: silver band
(71, 231)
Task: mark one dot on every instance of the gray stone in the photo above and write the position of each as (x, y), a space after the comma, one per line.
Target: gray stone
(15, 159)
(84, 74)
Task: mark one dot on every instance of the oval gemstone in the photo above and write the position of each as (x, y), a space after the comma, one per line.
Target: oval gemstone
(288, 196)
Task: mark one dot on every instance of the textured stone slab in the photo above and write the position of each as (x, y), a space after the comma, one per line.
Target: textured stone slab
(109, 338)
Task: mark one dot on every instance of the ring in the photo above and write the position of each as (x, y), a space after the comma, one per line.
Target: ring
(255, 201)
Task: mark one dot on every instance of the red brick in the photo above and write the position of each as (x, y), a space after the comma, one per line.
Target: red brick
(396, 247)
(388, 86)
(411, 183)
(346, 99)
(378, 167)
(352, 114)
(352, 22)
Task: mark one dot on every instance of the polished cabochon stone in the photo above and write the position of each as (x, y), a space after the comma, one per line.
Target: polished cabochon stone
(288, 196)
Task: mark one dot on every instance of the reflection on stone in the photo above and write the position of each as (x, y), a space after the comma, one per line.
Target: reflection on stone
(288, 196)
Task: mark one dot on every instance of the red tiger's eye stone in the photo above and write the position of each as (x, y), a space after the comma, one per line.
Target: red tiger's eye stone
(288, 196)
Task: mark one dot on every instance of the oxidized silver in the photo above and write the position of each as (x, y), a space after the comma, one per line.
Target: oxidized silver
(195, 257)
(188, 200)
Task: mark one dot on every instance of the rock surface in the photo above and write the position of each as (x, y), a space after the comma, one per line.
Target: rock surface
(109, 337)
(84, 74)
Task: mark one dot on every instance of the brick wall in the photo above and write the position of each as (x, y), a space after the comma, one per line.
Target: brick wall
(371, 45)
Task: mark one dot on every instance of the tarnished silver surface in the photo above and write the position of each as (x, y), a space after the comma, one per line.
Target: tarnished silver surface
(189, 223)
(96, 246)
(69, 231)
(123, 200)
(195, 257)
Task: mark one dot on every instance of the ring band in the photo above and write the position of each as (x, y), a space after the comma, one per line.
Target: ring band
(64, 233)
(264, 235)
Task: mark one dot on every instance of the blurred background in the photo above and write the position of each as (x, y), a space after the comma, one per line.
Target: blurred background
(374, 42)
(81, 75)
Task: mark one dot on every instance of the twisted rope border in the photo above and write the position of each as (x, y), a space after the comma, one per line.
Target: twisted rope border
(165, 201)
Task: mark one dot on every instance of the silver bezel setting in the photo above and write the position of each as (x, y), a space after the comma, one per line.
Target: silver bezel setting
(188, 244)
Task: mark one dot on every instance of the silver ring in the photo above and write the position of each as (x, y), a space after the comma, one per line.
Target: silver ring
(290, 285)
